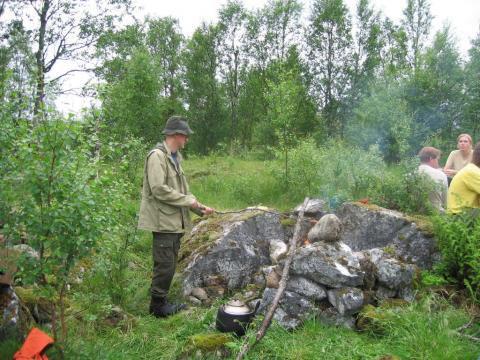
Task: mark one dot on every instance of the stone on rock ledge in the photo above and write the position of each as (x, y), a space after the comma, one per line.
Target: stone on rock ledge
(306, 288)
(394, 274)
(199, 293)
(293, 309)
(333, 265)
(278, 249)
(315, 208)
(327, 229)
(347, 301)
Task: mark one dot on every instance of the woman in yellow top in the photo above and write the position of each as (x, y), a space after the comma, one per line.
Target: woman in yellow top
(458, 159)
(464, 191)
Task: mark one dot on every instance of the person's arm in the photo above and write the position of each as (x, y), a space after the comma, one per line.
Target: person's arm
(472, 181)
(448, 169)
(157, 179)
(444, 185)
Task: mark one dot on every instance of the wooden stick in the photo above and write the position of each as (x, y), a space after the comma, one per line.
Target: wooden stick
(281, 286)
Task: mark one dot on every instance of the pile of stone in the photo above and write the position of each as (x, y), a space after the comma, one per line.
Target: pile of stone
(345, 261)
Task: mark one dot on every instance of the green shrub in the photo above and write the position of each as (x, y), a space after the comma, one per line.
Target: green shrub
(458, 238)
(402, 188)
(61, 204)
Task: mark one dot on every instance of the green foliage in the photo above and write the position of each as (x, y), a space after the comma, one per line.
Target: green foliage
(434, 93)
(328, 40)
(229, 183)
(472, 93)
(383, 119)
(458, 238)
(59, 201)
(408, 333)
(431, 278)
(402, 188)
(305, 163)
(206, 110)
(132, 105)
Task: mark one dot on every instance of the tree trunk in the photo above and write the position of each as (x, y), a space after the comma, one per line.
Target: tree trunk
(40, 62)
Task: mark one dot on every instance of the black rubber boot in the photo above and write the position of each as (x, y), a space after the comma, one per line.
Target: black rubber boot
(160, 307)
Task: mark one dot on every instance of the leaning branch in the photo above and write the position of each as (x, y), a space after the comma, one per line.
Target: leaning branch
(281, 287)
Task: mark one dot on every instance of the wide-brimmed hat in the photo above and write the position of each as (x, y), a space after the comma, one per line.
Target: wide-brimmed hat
(177, 125)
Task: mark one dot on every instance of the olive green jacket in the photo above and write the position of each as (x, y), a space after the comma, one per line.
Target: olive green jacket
(166, 198)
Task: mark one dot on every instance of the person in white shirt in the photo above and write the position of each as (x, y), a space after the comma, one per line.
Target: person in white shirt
(429, 166)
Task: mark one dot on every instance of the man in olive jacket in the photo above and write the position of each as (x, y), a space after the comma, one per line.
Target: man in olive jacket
(164, 210)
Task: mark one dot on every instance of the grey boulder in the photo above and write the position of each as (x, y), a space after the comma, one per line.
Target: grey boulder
(327, 229)
(306, 288)
(368, 227)
(333, 265)
(293, 308)
(233, 254)
(347, 301)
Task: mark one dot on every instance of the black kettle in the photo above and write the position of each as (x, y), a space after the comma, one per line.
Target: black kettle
(235, 316)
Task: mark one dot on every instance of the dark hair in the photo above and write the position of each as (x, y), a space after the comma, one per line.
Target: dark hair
(427, 153)
(476, 155)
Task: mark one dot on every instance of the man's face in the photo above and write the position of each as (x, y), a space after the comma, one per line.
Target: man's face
(181, 140)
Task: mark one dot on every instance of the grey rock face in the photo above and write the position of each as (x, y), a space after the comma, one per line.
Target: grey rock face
(347, 301)
(329, 264)
(200, 294)
(28, 250)
(272, 276)
(407, 294)
(241, 249)
(332, 317)
(365, 228)
(293, 309)
(394, 274)
(306, 288)
(383, 293)
(278, 250)
(315, 208)
(14, 321)
(327, 229)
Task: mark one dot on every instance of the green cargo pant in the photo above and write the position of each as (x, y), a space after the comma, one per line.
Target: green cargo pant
(165, 254)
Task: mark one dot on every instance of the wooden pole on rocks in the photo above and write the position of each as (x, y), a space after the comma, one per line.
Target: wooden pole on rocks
(281, 287)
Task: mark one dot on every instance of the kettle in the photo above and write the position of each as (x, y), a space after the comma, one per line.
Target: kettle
(235, 316)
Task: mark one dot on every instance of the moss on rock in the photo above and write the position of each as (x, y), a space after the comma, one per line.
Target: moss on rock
(372, 319)
(208, 231)
(209, 342)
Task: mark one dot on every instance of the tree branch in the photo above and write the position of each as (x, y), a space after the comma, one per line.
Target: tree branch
(281, 287)
(69, 72)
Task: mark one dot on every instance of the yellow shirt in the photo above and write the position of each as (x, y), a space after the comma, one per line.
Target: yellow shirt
(464, 191)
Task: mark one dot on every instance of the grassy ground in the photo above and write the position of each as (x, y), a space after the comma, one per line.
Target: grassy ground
(228, 183)
(424, 330)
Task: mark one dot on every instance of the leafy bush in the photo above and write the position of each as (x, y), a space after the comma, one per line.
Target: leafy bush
(300, 177)
(458, 237)
(348, 171)
(58, 201)
(402, 188)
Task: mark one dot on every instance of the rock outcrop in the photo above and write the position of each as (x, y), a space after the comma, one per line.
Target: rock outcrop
(232, 253)
(369, 227)
(15, 320)
(358, 256)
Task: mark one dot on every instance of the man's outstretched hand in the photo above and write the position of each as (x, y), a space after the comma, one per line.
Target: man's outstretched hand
(204, 209)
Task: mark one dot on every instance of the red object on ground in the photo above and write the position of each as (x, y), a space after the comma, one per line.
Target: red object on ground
(34, 345)
(364, 201)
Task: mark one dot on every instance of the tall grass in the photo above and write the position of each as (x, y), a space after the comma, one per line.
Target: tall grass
(423, 331)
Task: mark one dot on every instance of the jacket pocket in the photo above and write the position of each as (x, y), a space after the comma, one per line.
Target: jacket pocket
(167, 209)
